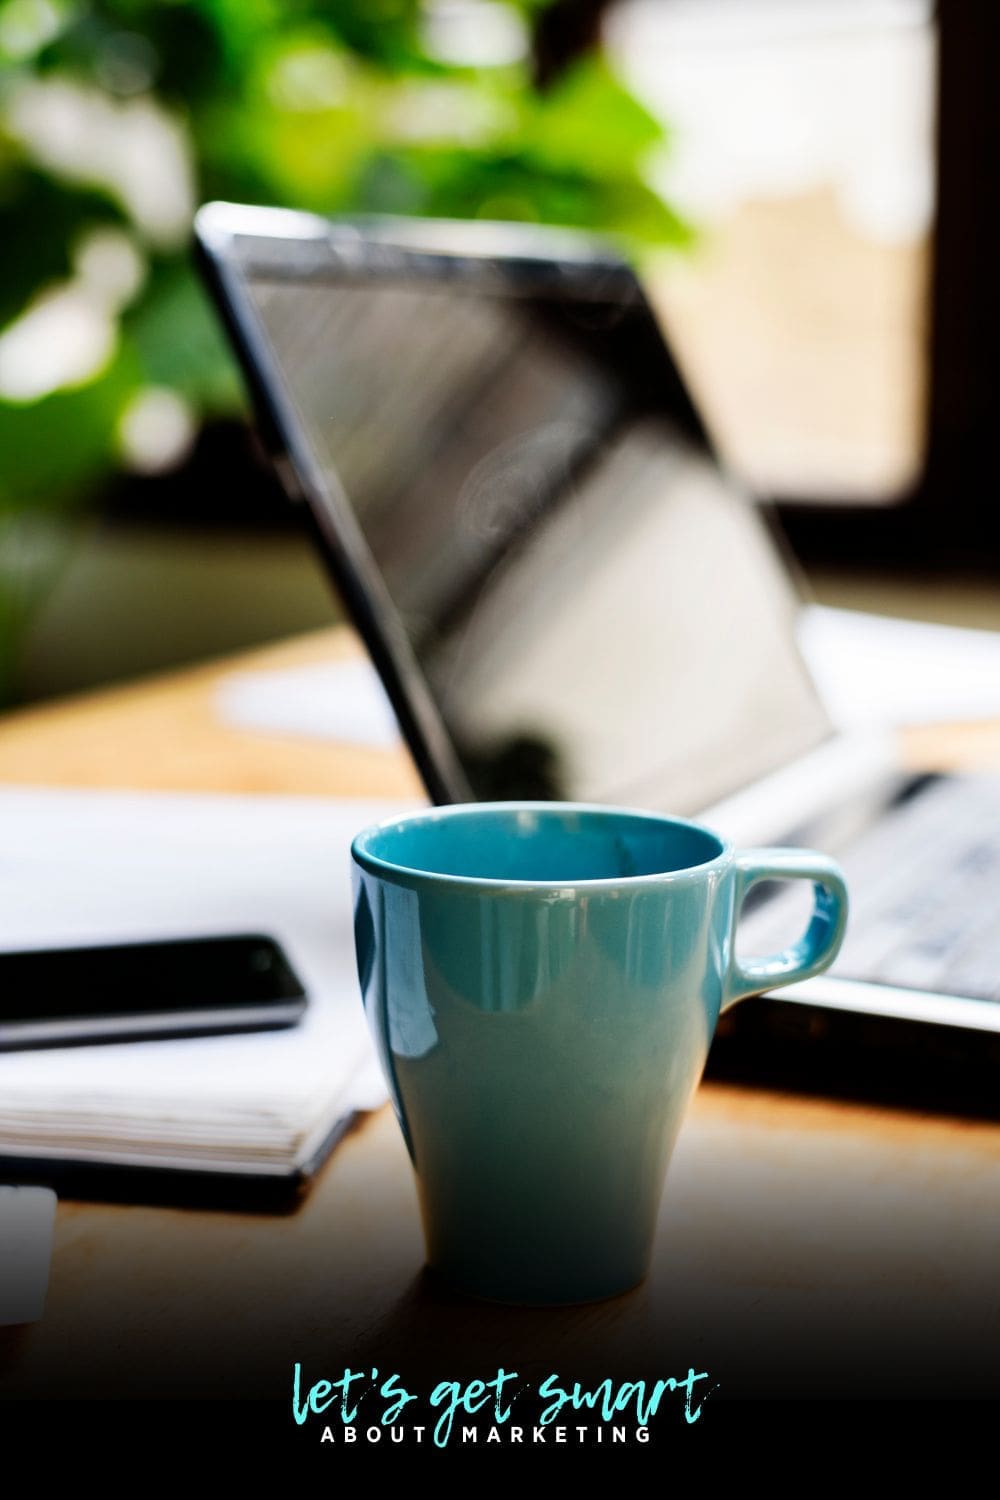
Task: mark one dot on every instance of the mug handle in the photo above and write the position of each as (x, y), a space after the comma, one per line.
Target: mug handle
(818, 946)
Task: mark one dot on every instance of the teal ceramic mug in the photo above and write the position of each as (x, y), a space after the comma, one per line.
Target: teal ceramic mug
(542, 982)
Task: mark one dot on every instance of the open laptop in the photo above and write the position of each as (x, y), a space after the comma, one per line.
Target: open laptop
(567, 596)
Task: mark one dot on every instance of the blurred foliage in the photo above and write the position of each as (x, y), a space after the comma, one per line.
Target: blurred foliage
(118, 116)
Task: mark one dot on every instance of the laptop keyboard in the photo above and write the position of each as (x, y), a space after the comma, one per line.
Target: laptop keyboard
(924, 886)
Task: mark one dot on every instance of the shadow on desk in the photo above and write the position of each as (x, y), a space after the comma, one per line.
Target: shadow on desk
(828, 1343)
(805, 1250)
(768, 1043)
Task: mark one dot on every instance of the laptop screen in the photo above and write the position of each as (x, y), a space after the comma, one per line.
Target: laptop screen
(598, 612)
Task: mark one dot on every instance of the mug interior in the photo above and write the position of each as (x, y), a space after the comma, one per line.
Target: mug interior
(540, 843)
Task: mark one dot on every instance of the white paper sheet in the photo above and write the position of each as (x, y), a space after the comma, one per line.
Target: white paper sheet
(337, 700)
(872, 670)
(84, 867)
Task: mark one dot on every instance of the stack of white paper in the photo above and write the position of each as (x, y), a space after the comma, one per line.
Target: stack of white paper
(872, 669)
(86, 867)
(326, 700)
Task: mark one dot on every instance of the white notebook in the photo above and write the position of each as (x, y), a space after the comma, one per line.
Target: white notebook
(86, 867)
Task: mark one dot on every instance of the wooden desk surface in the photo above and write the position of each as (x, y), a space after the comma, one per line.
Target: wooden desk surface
(805, 1244)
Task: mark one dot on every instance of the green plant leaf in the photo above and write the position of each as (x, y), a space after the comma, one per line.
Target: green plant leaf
(40, 221)
(57, 449)
(589, 122)
(175, 340)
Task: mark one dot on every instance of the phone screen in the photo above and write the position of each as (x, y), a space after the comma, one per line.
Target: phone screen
(169, 988)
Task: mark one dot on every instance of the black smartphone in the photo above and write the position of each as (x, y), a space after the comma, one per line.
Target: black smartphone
(61, 997)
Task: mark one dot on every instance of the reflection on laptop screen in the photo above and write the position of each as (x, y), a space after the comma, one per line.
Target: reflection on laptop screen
(599, 616)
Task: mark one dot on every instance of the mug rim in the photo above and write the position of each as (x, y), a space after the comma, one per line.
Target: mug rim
(400, 873)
